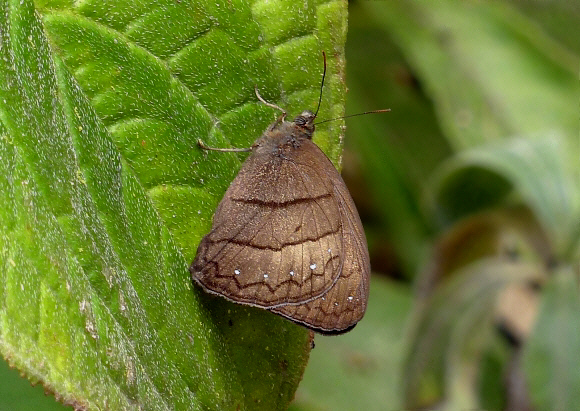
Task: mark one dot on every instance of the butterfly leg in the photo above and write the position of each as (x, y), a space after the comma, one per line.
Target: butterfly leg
(203, 146)
(281, 118)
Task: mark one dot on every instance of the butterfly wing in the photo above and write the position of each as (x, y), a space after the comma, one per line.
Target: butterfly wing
(287, 237)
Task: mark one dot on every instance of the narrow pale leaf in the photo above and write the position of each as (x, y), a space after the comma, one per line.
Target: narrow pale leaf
(551, 361)
(454, 324)
(490, 70)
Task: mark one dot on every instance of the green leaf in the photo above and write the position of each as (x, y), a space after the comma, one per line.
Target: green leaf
(550, 360)
(18, 395)
(494, 366)
(490, 70)
(531, 167)
(106, 194)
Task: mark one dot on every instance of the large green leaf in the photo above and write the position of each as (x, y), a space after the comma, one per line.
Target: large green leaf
(105, 194)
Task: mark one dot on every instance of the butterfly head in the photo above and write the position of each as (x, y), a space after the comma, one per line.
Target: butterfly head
(305, 122)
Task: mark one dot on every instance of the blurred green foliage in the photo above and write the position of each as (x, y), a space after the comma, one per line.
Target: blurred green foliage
(470, 193)
(470, 196)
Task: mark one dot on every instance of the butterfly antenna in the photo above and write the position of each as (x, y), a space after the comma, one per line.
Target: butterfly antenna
(321, 84)
(385, 110)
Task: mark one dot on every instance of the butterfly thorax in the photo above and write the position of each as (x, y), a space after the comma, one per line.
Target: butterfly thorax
(285, 135)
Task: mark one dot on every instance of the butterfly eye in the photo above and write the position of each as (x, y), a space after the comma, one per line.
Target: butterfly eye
(300, 121)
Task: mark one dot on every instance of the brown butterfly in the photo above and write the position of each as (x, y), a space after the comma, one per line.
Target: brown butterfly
(287, 236)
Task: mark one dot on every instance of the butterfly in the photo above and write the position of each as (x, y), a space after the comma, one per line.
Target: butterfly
(286, 235)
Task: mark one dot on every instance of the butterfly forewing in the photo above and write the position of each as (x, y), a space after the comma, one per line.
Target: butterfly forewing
(268, 248)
